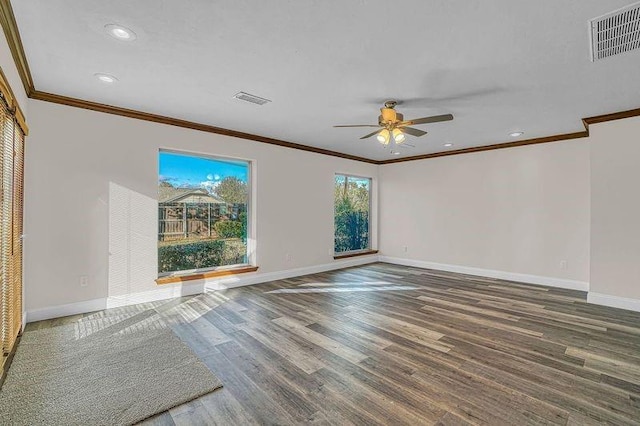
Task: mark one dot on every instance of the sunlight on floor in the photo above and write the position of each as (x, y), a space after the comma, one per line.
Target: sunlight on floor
(343, 288)
(148, 316)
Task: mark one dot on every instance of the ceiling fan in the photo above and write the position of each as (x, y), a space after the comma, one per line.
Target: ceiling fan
(392, 125)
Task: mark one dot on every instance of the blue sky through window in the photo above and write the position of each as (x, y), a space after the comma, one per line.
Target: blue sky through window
(183, 170)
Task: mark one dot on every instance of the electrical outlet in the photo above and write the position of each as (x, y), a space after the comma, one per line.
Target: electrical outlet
(563, 264)
(405, 249)
(287, 257)
(84, 280)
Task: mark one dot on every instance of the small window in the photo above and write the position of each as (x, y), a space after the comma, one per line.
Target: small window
(203, 212)
(352, 213)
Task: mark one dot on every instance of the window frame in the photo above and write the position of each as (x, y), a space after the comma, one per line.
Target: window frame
(213, 271)
(369, 248)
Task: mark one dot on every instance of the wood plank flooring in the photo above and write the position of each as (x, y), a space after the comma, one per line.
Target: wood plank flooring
(386, 344)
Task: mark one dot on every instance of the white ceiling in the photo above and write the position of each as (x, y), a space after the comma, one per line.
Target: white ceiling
(496, 65)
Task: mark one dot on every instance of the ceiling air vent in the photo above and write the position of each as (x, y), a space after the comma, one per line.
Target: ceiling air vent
(251, 98)
(616, 32)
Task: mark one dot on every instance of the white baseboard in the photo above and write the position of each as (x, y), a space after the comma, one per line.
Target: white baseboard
(168, 291)
(614, 301)
(161, 293)
(178, 290)
(511, 276)
(257, 278)
(66, 310)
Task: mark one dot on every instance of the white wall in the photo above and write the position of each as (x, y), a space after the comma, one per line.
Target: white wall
(520, 210)
(90, 208)
(615, 212)
(90, 203)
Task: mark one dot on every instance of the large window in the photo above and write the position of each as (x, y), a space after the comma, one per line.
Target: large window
(352, 213)
(203, 212)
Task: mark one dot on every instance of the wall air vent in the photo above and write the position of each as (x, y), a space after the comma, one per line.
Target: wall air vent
(616, 32)
(251, 98)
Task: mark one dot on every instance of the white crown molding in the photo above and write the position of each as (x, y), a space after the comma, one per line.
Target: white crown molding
(614, 301)
(490, 273)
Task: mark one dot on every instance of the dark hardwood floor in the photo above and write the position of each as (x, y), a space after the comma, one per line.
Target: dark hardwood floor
(386, 344)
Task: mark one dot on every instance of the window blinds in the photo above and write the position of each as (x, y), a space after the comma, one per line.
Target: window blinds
(11, 199)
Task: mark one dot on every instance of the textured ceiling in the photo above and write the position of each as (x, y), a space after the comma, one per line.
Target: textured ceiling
(496, 65)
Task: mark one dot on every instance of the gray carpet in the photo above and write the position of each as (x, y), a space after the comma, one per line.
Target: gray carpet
(116, 375)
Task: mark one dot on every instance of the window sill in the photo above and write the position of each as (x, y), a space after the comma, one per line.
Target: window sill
(170, 279)
(354, 254)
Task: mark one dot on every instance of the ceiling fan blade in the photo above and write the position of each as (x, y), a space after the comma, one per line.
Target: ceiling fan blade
(358, 125)
(413, 132)
(426, 102)
(371, 134)
(426, 120)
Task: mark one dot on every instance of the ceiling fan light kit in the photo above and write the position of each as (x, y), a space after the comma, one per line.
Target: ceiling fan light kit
(383, 137)
(398, 136)
(392, 124)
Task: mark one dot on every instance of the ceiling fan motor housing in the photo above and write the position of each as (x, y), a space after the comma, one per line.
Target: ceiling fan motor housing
(389, 116)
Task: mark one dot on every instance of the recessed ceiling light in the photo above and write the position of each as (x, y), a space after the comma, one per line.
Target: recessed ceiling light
(449, 144)
(119, 32)
(516, 134)
(396, 153)
(105, 78)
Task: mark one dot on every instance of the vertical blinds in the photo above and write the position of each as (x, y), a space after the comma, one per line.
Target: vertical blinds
(11, 198)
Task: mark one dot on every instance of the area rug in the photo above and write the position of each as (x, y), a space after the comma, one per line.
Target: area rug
(117, 376)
